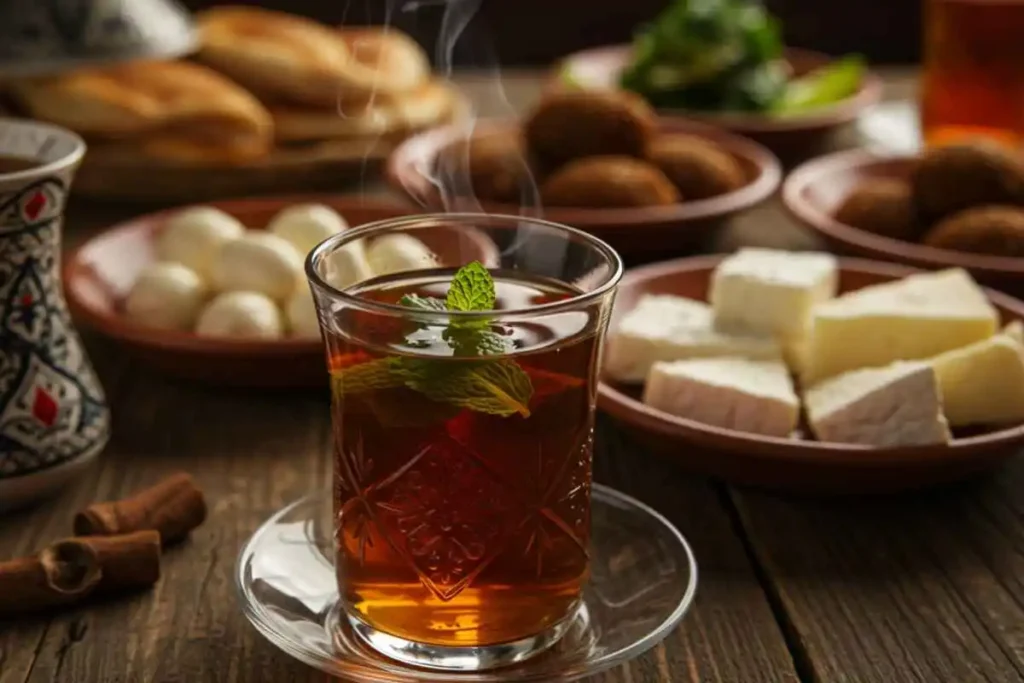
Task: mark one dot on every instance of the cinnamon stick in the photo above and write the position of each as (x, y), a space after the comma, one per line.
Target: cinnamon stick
(173, 507)
(71, 570)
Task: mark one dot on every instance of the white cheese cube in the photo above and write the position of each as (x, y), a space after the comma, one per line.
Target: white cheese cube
(914, 318)
(983, 383)
(732, 393)
(663, 327)
(898, 405)
(769, 292)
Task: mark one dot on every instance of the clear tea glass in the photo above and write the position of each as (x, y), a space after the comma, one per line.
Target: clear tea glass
(463, 438)
(973, 77)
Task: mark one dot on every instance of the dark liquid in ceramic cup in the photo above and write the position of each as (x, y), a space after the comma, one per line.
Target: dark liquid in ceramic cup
(9, 164)
(458, 527)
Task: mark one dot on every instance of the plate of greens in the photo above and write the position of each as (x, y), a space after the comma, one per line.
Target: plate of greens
(724, 61)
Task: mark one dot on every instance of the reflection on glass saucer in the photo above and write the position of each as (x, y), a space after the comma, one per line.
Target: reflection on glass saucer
(643, 579)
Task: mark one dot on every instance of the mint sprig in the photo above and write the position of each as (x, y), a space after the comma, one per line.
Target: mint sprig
(496, 387)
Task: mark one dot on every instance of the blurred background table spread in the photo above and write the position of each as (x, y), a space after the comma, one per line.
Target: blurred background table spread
(920, 588)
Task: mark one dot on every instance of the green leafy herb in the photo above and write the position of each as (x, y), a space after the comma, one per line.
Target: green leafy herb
(496, 386)
(472, 289)
(426, 303)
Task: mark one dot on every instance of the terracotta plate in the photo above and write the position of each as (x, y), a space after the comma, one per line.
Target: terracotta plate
(600, 68)
(789, 464)
(99, 274)
(649, 231)
(814, 190)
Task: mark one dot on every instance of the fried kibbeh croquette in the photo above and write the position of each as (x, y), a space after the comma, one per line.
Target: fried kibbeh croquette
(697, 167)
(883, 206)
(608, 181)
(498, 166)
(993, 229)
(952, 178)
(573, 124)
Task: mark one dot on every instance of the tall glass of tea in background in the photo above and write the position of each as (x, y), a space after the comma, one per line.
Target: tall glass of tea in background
(463, 398)
(973, 80)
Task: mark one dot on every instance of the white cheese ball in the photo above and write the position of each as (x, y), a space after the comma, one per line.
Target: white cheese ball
(347, 265)
(306, 225)
(258, 262)
(398, 253)
(168, 296)
(301, 312)
(241, 315)
(193, 236)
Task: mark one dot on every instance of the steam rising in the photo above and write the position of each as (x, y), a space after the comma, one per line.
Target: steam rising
(451, 174)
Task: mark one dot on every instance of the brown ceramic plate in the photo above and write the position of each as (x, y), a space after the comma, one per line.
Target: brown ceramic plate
(600, 68)
(98, 275)
(632, 231)
(790, 464)
(814, 190)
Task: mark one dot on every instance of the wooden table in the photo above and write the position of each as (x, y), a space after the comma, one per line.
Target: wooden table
(923, 588)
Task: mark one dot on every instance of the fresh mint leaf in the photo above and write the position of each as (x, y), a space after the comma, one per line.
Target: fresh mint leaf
(425, 303)
(472, 289)
(497, 387)
(381, 373)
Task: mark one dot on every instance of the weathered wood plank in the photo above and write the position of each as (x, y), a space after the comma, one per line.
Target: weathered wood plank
(730, 634)
(925, 587)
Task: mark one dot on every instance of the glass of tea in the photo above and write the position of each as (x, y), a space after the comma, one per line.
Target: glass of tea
(463, 396)
(973, 79)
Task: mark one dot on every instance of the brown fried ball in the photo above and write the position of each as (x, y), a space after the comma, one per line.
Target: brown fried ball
(698, 167)
(497, 166)
(608, 181)
(883, 206)
(996, 230)
(956, 177)
(570, 124)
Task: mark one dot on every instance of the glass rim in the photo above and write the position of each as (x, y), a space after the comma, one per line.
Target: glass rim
(335, 241)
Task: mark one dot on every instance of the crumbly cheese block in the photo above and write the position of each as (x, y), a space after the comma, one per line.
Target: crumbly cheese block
(897, 405)
(914, 318)
(754, 396)
(1015, 330)
(983, 383)
(663, 327)
(771, 292)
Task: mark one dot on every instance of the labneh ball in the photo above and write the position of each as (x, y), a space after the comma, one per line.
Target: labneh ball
(996, 230)
(883, 206)
(571, 124)
(608, 181)
(698, 167)
(956, 177)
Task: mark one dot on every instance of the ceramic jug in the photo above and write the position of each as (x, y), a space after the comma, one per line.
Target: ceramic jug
(53, 414)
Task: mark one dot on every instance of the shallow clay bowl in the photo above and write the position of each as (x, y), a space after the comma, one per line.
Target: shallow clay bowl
(639, 232)
(99, 274)
(790, 464)
(814, 190)
(600, 67)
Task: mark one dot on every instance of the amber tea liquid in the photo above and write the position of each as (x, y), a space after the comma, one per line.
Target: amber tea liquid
(458, 527)
(973, 80)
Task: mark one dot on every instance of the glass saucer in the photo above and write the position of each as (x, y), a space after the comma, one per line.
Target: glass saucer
(643, 579)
